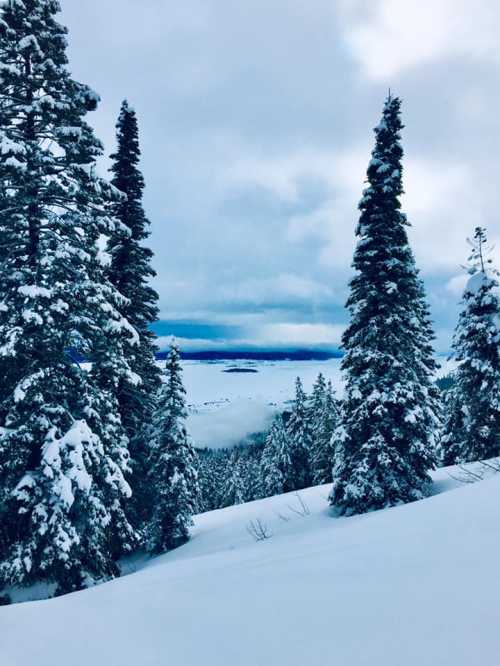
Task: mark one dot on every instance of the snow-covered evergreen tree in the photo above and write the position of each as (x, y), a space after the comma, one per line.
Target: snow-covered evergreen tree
(317, 400)
(252, 477)
(63, 451)
(299, 436)
(173, 475)
(385, 440)
(472, 428)
(276, 465)
(323, 426)
(234, 491)
(450, 443)
(212, 470)
(130, 271)
(322, 414)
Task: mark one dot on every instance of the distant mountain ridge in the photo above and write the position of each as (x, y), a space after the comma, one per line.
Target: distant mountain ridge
(257, 355)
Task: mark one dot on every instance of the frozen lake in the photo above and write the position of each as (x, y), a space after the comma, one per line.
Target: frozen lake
(226, 407)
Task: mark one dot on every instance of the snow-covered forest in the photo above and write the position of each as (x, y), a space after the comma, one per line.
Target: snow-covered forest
(99, 473)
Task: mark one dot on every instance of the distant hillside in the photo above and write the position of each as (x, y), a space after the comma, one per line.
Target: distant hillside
(257, 355)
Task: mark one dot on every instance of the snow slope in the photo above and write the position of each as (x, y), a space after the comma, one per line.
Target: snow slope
(417, 585)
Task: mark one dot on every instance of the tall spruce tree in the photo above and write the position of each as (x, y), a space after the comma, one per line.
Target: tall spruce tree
(385, 440)
(130, 272)
(173, 475)
(472, 427)
(300, 439)
(63, 451)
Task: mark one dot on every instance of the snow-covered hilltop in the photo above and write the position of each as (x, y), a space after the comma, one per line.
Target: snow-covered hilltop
(416, 585)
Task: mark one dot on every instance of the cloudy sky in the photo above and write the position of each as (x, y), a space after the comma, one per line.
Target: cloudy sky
(256, 123)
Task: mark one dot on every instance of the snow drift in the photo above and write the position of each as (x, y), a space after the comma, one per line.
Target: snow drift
(417, 585)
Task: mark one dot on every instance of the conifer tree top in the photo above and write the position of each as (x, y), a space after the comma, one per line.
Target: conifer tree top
(127, 132)
(480, 263)
(479, 324)
(46, 133)
(173, 389)
(385, 171)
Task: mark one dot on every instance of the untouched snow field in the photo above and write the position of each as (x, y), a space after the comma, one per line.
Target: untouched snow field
(417, 585)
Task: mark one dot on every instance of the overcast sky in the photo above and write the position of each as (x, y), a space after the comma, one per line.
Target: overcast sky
(256, 125)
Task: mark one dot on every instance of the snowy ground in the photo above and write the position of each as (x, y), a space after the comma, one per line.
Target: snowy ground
(417, 585)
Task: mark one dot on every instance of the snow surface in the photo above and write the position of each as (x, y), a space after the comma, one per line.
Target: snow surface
(417, 585)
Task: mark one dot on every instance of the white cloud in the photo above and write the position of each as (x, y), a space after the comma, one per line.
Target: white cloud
(269, 335)
(280, 289)
(444, 202)
(254, 158)
(231, 423)
(300, 334)
(443, 205)
(456, 285)
(281, 174)
(393, 35)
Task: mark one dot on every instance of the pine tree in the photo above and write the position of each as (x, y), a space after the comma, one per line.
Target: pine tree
(299, 435)
(472, 428)
(323, 428)
(63, 451)
(212, 469)
(276, 465)
(251, 476)
(205, 481)
(451, 443)
(173, 475)
(385, 439)
(317, 400)
(130, 272)
(234, 486)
